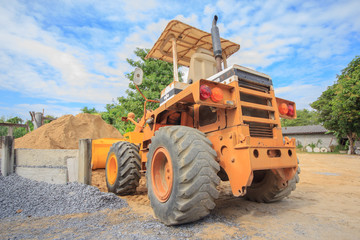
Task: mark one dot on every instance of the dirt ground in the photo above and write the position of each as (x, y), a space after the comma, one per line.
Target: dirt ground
(325, 205)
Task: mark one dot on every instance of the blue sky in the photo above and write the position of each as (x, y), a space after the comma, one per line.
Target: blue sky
(63, 55)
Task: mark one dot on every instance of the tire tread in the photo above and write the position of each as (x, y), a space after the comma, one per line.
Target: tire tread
(197, 174)
(128, 158)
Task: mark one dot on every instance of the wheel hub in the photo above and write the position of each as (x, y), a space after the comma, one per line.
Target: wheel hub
(162, 174)
(111, 169)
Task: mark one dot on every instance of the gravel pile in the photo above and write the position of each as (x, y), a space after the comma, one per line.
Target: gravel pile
(23, 197)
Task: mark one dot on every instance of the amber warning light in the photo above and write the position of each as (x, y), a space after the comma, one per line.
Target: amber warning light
(286, 108)
(216, 94)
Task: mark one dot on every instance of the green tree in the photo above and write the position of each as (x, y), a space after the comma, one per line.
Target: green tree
(3, 129)
(304, 117)
(339, 105)
(89, 110)
(17, 132)
(31, 125)
(15, 120)
(48, 120)
(157, 75)
(113, 115)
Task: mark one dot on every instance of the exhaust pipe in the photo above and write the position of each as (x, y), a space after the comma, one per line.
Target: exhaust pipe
(215, 37)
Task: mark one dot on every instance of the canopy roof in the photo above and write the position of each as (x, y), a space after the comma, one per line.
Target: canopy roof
(188, 39)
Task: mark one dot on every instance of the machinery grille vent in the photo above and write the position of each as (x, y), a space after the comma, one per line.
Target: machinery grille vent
(260, 130)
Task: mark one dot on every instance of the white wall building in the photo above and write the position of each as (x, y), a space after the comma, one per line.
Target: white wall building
(306, 135)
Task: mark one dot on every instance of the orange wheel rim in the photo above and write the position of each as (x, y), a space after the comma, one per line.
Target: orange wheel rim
(111, 169)
(162, 174)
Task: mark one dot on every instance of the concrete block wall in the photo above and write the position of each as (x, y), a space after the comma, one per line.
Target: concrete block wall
(57, 166)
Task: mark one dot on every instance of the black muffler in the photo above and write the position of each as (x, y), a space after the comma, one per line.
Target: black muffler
(215, 36)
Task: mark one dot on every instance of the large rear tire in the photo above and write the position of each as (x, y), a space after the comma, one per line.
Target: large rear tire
(122, 168)
(181, 175)
(267, 190)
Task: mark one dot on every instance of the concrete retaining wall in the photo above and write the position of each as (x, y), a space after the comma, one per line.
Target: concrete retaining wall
(48, 165)
(57, 166)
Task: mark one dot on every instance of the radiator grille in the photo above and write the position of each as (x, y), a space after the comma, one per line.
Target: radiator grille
(257, 110)
(260, 130)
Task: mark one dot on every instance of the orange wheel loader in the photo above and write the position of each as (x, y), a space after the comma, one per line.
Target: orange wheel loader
(222, 125)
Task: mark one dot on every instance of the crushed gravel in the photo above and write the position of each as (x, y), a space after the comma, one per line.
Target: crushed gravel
(24, 197)
(113, 224)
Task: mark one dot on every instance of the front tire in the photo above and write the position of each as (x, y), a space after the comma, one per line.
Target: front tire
(181, 175)
(122, 168)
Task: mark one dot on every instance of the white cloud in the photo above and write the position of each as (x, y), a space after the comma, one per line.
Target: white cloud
(191, 20)
(66, 52)
(123, 10)
(50, 67)
(274, 30)
(22, 110)
(141, 37)
(209, 10)
(301, 94)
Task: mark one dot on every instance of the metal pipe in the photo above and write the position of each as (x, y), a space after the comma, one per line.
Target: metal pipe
(215, 37)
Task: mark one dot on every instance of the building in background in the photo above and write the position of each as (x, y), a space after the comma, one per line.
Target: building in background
(312, 134)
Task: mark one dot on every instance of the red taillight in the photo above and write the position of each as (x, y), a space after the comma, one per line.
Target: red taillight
(290, 110)
(283, 108)
(205, 92)
(217, 94)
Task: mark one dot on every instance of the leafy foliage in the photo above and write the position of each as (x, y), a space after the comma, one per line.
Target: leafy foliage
(339, 105)
(3, 130)
(18, 131)
(89, 110)
(113, 115)
(304, 117)
(157, 75)
(45, 121)
(15, 120)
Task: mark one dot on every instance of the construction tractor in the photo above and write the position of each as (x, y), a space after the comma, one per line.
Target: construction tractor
(223, 124)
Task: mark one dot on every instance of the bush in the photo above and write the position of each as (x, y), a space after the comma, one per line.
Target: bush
(312, 145)
(339, 148)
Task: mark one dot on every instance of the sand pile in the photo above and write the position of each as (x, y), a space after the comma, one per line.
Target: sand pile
(65, 132)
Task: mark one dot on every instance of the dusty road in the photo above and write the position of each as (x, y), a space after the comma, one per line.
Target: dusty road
(325, 205)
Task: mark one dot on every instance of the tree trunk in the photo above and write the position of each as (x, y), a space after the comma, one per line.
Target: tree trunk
(351, 142)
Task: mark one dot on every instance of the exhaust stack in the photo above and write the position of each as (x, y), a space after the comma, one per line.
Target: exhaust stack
(215, 36)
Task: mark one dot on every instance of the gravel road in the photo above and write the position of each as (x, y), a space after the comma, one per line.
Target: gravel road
(40, 210)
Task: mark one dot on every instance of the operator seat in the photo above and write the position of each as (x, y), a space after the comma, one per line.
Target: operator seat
(202, 65)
